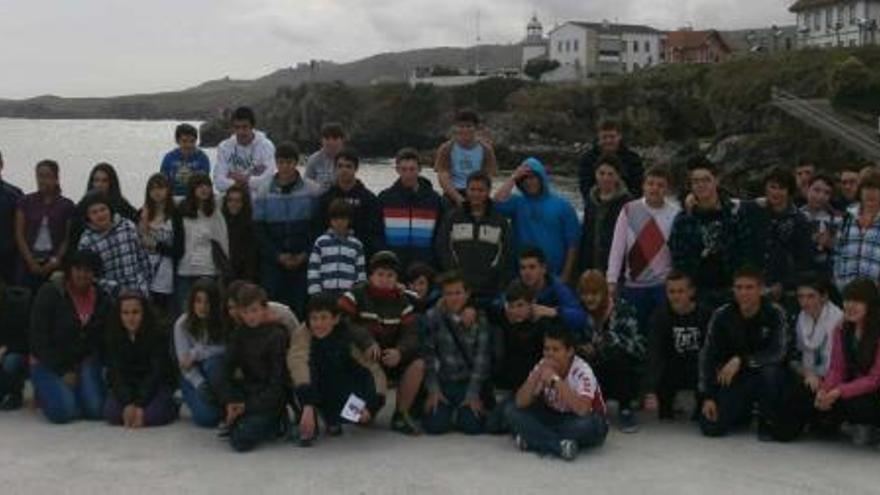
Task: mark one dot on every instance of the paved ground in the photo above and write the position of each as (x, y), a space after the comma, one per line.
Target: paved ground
(93, 458)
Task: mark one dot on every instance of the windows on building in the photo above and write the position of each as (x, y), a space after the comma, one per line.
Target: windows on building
(852, 14)
(647, 47)
(829, 17)
(567, 46)
(559, 47)
(817, 20)
(635, 47)
(576, 43)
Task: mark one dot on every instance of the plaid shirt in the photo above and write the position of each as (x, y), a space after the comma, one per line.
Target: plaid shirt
(444, 361)
(857, 252)
(124, 262)
(827, 220)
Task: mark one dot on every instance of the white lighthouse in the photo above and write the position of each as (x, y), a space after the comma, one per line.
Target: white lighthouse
(535, 44)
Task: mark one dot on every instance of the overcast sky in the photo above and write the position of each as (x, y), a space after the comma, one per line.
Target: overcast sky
(105, 47)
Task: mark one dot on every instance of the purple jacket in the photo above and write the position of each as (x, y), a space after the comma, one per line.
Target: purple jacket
(58, 211)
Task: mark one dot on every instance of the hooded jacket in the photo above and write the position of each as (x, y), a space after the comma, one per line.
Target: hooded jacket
(366, 218)
(411, 218)
(125, 264)
(57, 338)
(547, 220)
(256, 160)
(479, 247)
(632, 170)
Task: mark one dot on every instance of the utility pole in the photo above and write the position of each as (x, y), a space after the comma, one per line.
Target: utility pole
(477, 47)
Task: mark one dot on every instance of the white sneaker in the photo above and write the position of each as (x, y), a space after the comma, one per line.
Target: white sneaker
(521, 443)
(569, 449)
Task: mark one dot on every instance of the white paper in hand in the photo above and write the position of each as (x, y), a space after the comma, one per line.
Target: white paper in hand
(353, 409)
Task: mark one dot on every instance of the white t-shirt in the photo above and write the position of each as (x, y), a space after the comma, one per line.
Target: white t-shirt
(582, 381)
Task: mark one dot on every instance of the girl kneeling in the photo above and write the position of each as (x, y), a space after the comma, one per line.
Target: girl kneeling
(138, 365)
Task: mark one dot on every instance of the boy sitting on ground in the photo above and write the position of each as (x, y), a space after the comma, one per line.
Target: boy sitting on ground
(383, 322)
(327, 368)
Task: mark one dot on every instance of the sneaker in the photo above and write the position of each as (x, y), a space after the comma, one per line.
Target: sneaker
(764, 434)
(521, 443)
(223, 430)
(568, 449)
(863, 435)
(12, 402)
(334, 430)
(402, 422)
(627, 422)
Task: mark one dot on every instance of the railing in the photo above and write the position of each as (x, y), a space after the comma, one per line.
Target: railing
(819, 114)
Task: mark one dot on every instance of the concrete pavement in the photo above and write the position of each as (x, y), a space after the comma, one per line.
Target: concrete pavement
(93, 458)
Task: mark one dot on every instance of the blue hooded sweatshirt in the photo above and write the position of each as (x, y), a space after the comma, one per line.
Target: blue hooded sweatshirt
(547, 221)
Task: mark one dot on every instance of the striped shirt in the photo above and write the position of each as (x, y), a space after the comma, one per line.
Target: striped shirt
(336, 263)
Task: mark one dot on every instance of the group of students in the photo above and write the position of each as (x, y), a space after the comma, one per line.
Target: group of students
(294, 302)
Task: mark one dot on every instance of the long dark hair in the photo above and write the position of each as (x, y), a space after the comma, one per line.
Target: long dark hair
(214, 325)
(118, 332)
(190, 206)
(150, 206)
(865, 291)
(247, 206)
(115, 191)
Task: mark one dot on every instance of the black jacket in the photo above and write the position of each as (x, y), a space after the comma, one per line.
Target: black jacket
(479, 248)
(786, 247)
(57, 338)
(518, 347)
(758, 341)
(600, 218)
(137, 368)
(633, 172)
(14, 318)
(366, 216)
(259, 355)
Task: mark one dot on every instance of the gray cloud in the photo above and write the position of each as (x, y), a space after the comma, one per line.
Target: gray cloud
(106, 47)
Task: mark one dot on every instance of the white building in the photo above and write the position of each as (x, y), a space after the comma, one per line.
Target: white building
(535, 44)
(587, 50)
(828, 23)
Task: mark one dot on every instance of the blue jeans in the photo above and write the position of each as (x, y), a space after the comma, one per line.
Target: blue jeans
(204, 411)
(12, 374)
(253, 429)
(451, 414)
(543, 429)
(62, 403)
(645, 300)
(735, 403)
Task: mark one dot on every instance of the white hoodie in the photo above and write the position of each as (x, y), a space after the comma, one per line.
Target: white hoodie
(257, 160)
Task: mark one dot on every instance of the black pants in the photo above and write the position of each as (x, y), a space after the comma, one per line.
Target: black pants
(332, 393)
(764, 386)
(677, 376)
(618, 375)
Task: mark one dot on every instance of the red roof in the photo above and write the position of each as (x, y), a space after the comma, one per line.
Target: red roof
(688, 40)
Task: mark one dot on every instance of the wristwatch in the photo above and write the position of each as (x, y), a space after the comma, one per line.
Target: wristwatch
(555, 380)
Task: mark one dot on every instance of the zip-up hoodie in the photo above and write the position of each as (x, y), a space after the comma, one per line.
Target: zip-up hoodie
(479, 247)
(758, 341)
(411, 218)
(547, 220)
